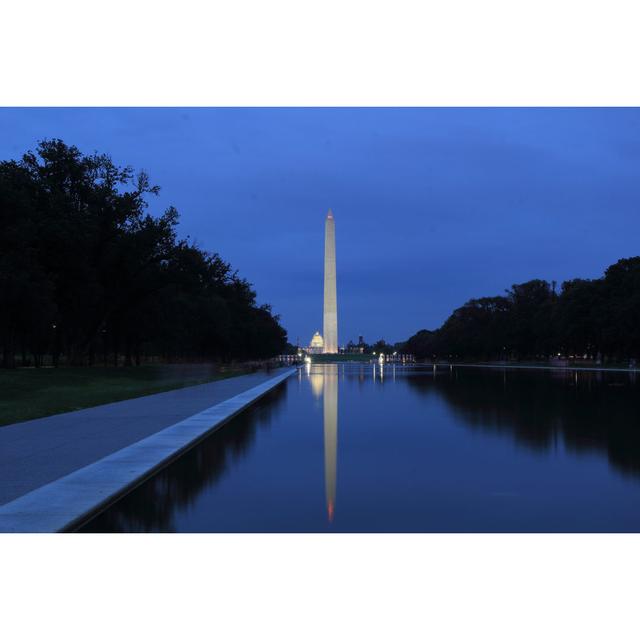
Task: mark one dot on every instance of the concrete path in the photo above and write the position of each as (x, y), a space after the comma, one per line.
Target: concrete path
(36, 452)
(63, 504)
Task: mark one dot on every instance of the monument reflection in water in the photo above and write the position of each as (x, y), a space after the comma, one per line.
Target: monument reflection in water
(420, 449)
(325, 385)
(330, 419)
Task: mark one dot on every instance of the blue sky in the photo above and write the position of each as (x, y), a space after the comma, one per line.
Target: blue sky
(432, 206)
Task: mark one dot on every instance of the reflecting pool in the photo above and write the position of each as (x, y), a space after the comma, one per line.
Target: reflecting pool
(370, 448)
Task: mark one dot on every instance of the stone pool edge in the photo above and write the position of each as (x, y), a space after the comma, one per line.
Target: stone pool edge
(65, 503)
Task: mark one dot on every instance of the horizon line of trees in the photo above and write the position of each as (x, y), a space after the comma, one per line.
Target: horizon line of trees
(379, 346)
(596, 319)
(88, 276)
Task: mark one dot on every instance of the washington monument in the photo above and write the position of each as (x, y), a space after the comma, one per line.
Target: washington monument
(330, 318)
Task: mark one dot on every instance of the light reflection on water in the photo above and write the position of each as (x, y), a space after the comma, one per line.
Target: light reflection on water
(370, 447)
(330, 429)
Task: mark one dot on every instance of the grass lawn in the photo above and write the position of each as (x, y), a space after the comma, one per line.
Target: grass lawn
(33, 393)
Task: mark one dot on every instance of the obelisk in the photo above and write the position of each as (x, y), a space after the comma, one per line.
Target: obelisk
(330, 318)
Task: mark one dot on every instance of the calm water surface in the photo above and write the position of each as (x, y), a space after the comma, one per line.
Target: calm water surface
(351, 447)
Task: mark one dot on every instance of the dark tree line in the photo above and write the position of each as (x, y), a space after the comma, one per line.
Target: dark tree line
(380, 346)
(87, 275)
(598, 318)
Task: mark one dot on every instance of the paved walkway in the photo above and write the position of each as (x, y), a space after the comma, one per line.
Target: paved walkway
(36, 452)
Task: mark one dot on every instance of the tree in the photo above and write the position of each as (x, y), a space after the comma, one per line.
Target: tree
(578, 320)
(587, 317)
(87, 273)
(477, 329)
(529, 331)
(382, 347)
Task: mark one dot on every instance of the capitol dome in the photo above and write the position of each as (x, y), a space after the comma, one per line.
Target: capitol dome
(317, 343)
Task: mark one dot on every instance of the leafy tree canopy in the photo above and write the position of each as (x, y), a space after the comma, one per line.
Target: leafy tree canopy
(87, 273)
(587, 317)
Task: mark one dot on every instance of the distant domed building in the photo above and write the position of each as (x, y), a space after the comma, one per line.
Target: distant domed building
(317, 343)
